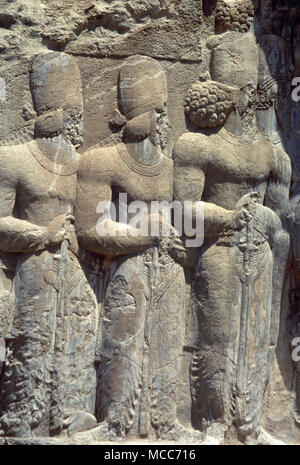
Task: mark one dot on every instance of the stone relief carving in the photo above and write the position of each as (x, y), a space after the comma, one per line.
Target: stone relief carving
(236, 286)
(111, 333)
(144, 299)
(54, 322)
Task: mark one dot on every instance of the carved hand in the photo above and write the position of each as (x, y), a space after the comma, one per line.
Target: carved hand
(59, 229)
(245, 209)
(162, 229)
(178, 251)
(158, 227)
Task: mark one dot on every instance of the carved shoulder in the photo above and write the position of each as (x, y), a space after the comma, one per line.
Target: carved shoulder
(13, 163)
(277, 195)
(190, 157)
(192, 149)
(10, 160)
(281, 166)
(98, 164)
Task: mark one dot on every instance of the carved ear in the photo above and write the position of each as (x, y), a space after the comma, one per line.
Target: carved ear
(235, 97)
(49, 124)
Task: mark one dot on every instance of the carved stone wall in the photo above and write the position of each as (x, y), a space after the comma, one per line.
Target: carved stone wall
(113, 337)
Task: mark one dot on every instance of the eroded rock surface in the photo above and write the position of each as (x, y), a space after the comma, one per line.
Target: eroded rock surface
(111, 331)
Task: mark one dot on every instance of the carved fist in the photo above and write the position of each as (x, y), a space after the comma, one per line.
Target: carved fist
(245, 209)
(59, 229)
(177, 250)
(156, 226)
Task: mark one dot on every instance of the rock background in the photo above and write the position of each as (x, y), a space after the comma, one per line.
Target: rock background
(100, 34)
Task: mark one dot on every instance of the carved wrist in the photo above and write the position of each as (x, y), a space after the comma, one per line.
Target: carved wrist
(39, 239)
(219, 220)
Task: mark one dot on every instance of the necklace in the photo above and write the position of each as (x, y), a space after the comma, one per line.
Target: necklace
(273, 137)
(145, 170)
(245, 139)
(49, 165)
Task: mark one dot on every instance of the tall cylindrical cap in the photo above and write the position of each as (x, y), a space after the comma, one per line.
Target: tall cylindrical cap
(142, 86)
(55, 82)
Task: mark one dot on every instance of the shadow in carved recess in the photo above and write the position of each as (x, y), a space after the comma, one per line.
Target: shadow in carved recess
(277, 32)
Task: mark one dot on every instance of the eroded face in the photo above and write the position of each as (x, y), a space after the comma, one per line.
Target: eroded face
(66, 111)
(247, 97)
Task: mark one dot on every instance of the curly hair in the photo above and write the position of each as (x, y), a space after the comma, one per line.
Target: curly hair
(234, 18)
(208, 104)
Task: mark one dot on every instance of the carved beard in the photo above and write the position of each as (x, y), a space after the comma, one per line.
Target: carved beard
(265, 99)
(73, 127)
(247, 112)
(161, 136)
(264, 103)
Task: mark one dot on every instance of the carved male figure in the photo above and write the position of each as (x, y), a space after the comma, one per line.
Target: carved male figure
(49, 380)
(244, 189)
(142, 318)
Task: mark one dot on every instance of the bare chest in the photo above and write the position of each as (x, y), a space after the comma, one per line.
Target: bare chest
(44, 193)
(240, 163)
(144, 183)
